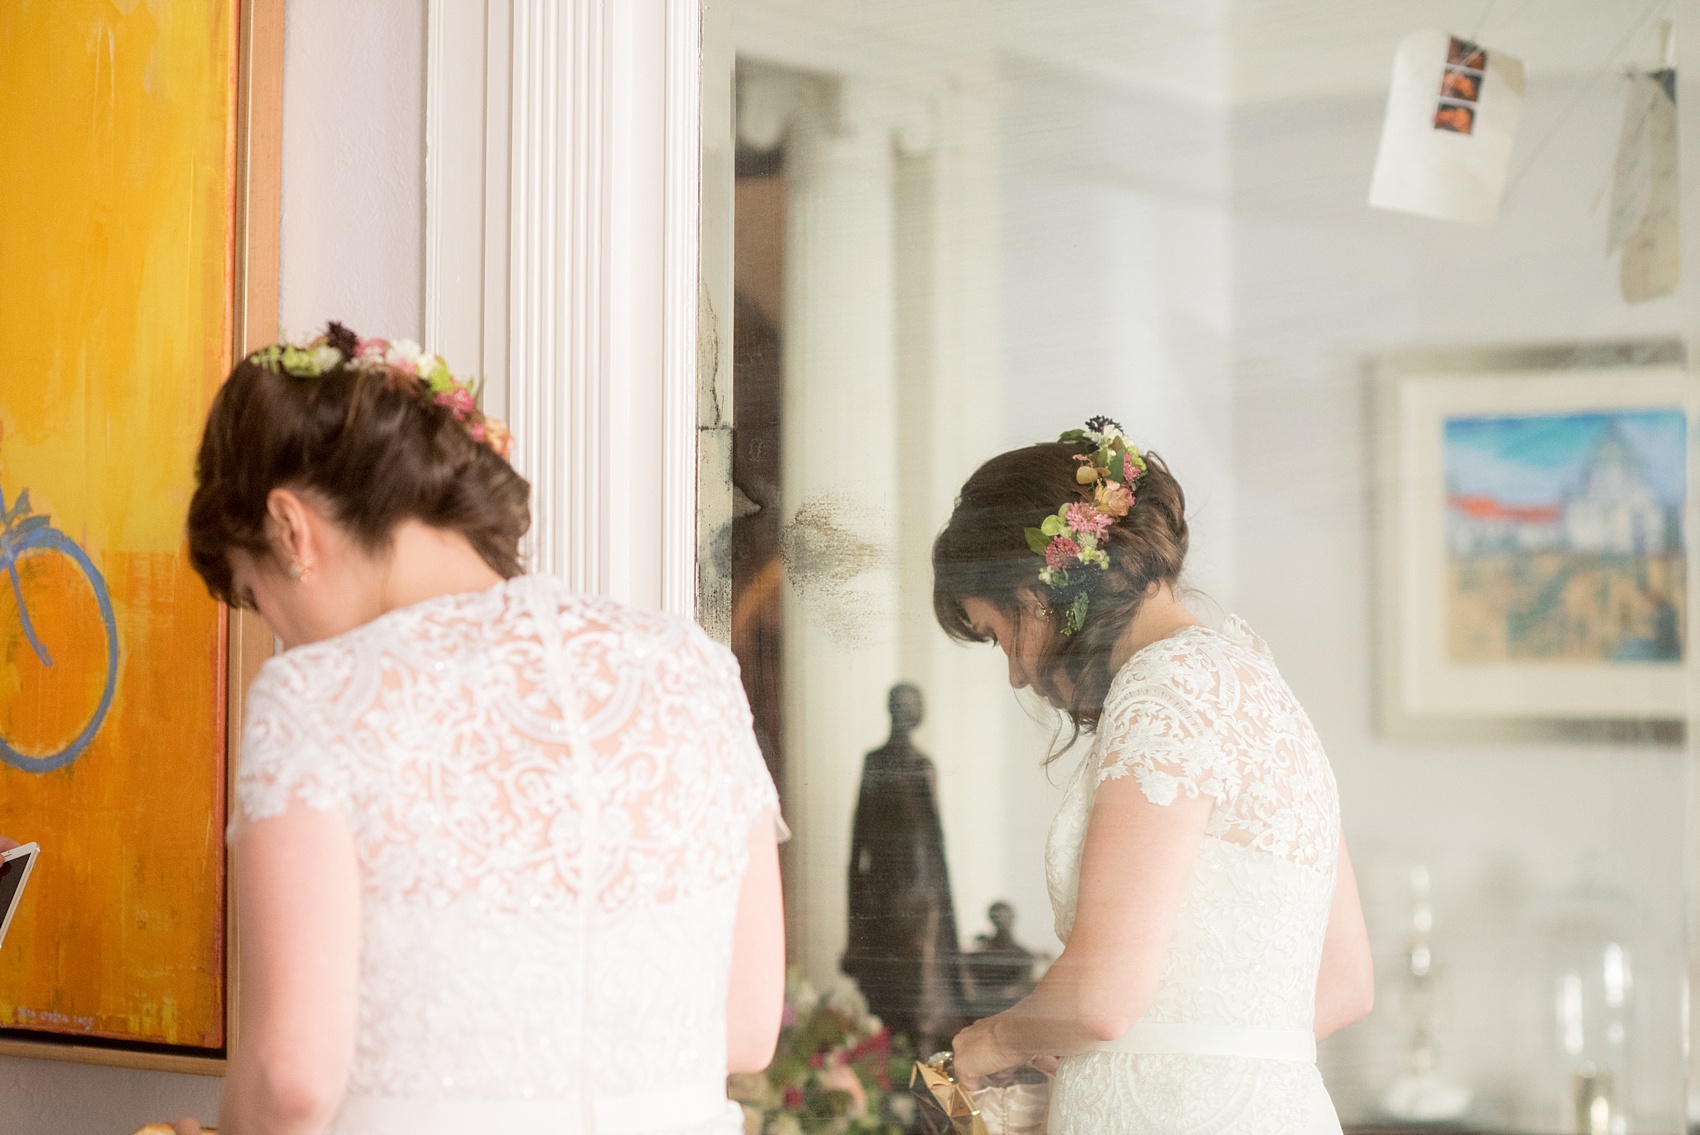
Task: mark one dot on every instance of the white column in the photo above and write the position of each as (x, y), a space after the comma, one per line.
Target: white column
(839, 471)
(602, 156)
(988, 772)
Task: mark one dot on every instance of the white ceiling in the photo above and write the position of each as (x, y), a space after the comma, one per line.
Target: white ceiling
(1240, 51)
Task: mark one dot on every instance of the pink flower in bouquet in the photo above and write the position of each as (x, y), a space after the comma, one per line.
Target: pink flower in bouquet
(1086, 519)
(793, 1098)
(1061, 553)
(843, 1078)
(879, 1043)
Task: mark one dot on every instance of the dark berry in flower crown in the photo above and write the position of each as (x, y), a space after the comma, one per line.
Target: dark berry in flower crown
(1097, 424)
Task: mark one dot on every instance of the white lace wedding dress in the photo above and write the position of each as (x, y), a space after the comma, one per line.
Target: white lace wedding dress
(550, 797)
(1227, 1046)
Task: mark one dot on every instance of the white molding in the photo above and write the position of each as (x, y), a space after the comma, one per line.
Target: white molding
(455, 150)
(603, 181)
(681, 225)
(436, 97)
(498, 94)
(557, 330)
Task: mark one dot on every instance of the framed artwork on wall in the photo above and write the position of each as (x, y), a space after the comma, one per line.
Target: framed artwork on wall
(1531, 513)
(138, 257)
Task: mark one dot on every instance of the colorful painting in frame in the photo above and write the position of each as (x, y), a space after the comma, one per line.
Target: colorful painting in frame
(125, 228)
(1532, 514)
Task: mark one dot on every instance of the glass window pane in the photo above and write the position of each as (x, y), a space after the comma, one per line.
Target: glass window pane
(1435, 450)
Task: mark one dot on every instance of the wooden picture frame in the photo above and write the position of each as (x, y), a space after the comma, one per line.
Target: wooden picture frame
(1461, 653)
(254, 236)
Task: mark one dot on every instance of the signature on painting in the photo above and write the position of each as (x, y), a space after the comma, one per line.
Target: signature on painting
(23, 533)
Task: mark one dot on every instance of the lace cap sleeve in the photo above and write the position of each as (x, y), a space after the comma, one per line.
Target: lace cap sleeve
(753, 788)
(285, 752)
(1157, 728)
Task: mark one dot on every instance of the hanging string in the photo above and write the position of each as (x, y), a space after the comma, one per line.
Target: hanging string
(1481, 24)
(1653, 8)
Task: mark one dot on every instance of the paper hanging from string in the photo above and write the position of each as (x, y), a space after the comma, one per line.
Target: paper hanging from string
(1451, 119)
(1644, 190)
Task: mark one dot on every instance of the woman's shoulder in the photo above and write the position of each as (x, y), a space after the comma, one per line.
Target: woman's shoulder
(1190, 665)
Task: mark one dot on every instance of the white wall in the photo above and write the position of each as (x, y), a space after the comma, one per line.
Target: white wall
(354, 81)
(1321, 282)
(353, 167)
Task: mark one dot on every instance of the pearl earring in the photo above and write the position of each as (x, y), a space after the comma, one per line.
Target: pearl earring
(298, 570)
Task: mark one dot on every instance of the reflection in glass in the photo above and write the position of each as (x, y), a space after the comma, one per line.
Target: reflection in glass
(964, 226)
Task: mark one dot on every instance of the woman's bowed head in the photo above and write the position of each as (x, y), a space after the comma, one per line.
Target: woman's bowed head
(347, 452)
(1056, 548)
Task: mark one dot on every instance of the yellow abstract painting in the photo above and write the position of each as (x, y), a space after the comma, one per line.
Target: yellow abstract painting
(117, 191)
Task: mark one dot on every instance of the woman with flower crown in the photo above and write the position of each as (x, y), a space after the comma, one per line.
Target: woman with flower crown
(1196, 867)
(505, 854)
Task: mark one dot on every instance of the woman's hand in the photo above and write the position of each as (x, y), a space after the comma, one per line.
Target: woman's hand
(8, 844)
(187, 1126)
(978, 1053)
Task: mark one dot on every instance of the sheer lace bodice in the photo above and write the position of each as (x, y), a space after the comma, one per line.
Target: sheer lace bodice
(550, 797)
(1206, 713)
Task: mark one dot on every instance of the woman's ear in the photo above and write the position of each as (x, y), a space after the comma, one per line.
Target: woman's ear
(291, 519)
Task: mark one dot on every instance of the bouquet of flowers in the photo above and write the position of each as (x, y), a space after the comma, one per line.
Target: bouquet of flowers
(832, 1073)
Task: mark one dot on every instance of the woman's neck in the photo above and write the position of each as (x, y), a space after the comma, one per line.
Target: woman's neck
(425, 562)
(1160, 616)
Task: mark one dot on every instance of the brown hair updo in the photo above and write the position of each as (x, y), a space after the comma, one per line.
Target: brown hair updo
(983, 554)
(374, 449)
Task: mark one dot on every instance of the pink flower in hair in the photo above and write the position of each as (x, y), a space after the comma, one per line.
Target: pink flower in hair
(1086, 519)
(371, 350)
(1061, 553)
(459, 402)
(1131, 469)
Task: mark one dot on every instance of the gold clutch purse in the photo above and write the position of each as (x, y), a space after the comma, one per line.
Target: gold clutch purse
(1016, 1103)
(942, 1103)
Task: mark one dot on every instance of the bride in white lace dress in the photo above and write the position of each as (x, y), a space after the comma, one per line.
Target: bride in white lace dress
(505, 854)
(1199, 878)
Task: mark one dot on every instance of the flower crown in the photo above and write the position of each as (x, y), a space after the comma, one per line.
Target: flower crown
(404, 362)
(1069, 538)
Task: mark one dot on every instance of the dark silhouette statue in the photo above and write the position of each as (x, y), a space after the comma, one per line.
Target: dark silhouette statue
(1000, 969)
(903, 950)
